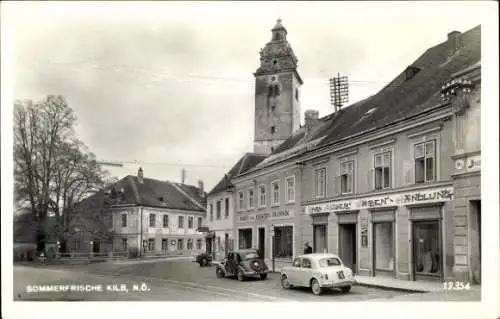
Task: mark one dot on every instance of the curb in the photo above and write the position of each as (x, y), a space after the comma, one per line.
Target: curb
(410, 290)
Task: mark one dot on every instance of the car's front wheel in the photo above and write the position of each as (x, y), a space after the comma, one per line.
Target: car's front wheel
(315, 287)
(219, 272)
(284, 282)
(204, 262)
(346, 289)
(263, 276)
(240, 275)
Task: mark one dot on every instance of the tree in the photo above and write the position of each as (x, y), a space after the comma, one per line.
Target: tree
(52, 168)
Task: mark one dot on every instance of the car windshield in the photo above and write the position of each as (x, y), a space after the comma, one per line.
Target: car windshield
(252, 255)
(329, 262)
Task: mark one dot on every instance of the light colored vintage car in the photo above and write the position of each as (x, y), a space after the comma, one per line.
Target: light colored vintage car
(319, 272)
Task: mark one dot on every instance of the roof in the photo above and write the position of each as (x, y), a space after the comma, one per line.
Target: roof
(245, 163)
(400, 99)
(150, 193)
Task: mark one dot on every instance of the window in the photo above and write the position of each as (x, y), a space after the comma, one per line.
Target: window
(290, 189)
(273, 129)
(250, 198)
(427, 248)
(283, 242)
(383, 236)
(124, 243)
(226, 208)
(164, 244)
(262, 195)
(274, 89)
(190, 222)
(151, 244)
(296, 262)
(245, 238)
(181, 222)
(189, 244)
(198, 244)
(165, 221)
(425, 170)
(218, 209)
(211, 212)
(124, 220)
(306, 263)
(329, 262)
(152, 220)
(200, 222)
(346, 177)
(297, 94)
(383, 165)
(320, 182)
(276, 192)
(241, 201)
(180, 244)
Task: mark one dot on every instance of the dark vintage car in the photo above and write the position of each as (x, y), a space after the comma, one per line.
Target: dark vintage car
(203, 259)
(242, 264)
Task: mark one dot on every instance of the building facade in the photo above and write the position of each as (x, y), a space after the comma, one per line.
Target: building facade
(149, 216)
(390, 183)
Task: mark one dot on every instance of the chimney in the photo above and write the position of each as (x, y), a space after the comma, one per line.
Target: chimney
(311, 119)
(455, 42)
(140, 175)
(200, 186)
(183, 176)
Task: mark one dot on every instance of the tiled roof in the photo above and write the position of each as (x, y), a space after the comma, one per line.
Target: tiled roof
(245, 163)
(399, 100)
(151, 192)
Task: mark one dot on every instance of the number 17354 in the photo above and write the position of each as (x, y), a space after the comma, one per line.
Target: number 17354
(456, 285)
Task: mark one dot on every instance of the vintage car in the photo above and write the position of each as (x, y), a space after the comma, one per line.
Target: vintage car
(242, 264)
(203, 259)
(319, 272)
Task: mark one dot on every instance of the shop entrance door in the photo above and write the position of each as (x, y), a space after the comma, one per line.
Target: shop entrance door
(475, 234)
(262, 243)
(320, 243)
(427, 251)
(348, 245)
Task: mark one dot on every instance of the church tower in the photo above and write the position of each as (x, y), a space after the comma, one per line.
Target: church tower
(277, 93)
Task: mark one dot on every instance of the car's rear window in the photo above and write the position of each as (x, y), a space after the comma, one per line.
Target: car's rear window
(329, 262)
(250, 256)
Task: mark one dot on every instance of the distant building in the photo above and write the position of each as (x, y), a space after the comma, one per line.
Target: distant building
(153, 216)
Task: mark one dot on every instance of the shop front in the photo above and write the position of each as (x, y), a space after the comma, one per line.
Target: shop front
(406, 235)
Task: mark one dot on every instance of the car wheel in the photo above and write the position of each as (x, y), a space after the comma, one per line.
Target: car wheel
(285, 283)
(204, 262)
(263, 276)
(315, 287)
(346, 289)
(240, 275)
(219, 273)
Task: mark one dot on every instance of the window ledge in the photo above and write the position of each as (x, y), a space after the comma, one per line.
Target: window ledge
(275, 205)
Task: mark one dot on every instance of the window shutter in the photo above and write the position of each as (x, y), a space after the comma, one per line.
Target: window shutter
(429, 149)
(419, 150)
(387, 159)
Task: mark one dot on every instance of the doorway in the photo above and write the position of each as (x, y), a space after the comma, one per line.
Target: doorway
(475, 236)
(427, 250)
(320, 242)
(262, 243)
(348, 245)
(226, 244)
(208, 243)
(96, 249)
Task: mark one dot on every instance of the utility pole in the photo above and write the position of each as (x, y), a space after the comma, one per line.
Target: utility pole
(339, 91)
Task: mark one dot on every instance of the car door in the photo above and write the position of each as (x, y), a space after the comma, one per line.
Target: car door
(229, 264)
(293, 271)
(305, 272)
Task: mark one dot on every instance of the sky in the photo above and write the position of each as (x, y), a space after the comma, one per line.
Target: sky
(171, 86)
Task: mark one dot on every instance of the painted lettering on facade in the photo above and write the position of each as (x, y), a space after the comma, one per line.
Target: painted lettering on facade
(260, 217)
(417, 197)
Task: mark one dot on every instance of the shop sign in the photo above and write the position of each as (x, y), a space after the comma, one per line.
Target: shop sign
(260, 217)
(417, 197)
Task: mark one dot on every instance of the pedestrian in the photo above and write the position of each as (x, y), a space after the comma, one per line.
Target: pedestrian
(307, 249)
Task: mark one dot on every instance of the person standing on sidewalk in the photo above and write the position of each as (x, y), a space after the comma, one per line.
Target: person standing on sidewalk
(307, 249)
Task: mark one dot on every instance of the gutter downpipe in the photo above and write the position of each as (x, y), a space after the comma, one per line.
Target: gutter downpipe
(141, 244)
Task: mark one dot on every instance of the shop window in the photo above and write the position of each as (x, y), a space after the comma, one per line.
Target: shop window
(198, 244)
(262, 195)
(165, 221)
(425, 163)
(250, 198)
(218, 209)
(347, 177)
(181, 222)
(200, 222)
(427, 251)
(180, 244)
(241, 201)
(189, 244)
(190, 222)
(276, 192)
(164, 244)
(151, 244)
(320, 182)
(283, 242)
(226, 208)
(290, 189)
(124, 243)
(124, 220)
(244, 238)
(211, 212)
(383, 168)
(384, 245)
